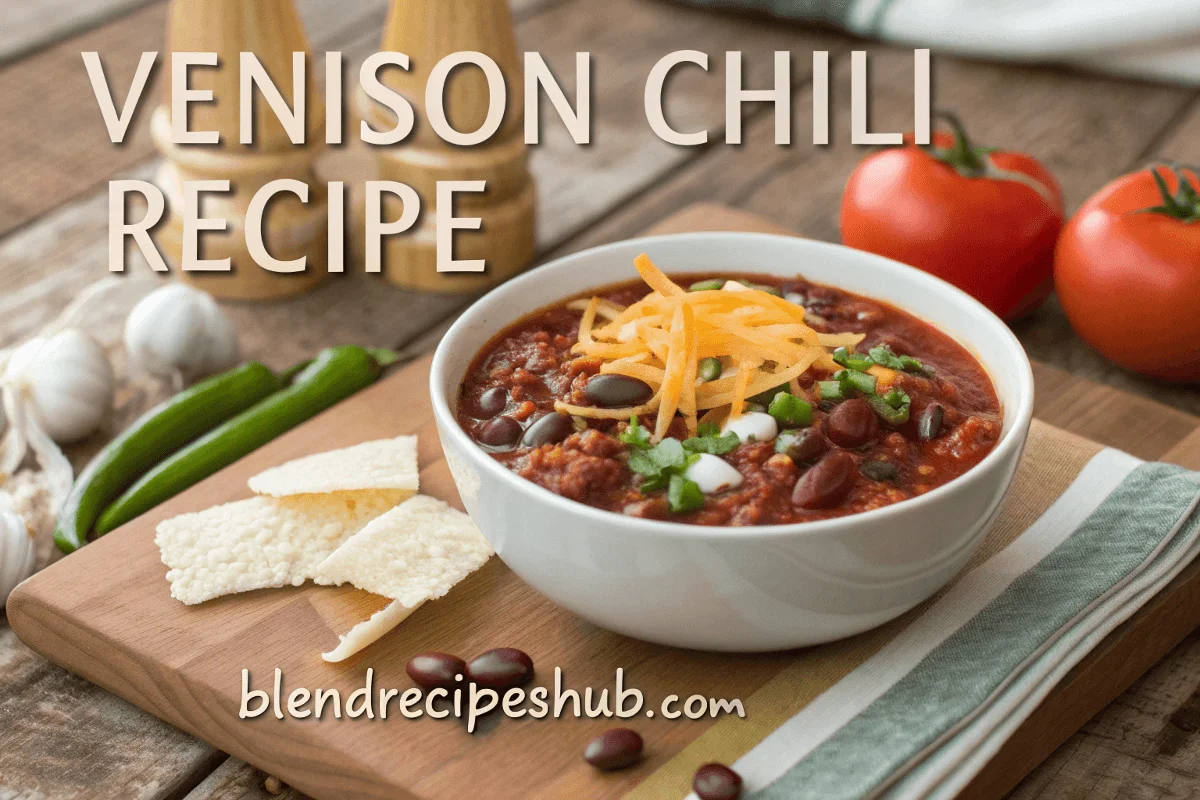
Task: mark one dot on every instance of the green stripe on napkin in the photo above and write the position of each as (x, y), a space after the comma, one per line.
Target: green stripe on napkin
(1131, 528)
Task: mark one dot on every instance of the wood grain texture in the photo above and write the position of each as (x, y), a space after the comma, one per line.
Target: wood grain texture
(183, 663)
(31, 25)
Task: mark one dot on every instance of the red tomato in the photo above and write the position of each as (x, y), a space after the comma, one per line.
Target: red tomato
(984, 221)
(1127, 272)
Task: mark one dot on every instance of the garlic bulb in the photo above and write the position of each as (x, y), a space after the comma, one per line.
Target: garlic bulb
(67, 381)
(179, 331)
(17, 554)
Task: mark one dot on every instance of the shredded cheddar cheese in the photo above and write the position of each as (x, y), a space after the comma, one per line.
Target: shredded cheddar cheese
(761, 340)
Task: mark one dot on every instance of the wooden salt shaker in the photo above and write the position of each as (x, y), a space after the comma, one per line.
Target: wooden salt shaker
(272, 30)
(428, 30)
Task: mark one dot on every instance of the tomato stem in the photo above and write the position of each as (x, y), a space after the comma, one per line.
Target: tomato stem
(1184, 204)
(962, 155)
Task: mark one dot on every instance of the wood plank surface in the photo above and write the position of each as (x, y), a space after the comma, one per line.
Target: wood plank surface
(44, 263)
(147, 663)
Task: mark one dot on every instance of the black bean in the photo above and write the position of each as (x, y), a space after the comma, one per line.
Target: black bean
(803, 447)
(435, 670)
(493, 401)
(499, 432)
(500, 669)
(879, 470)
(827, 483)
(550, 429)
(717, 782)
(617, 391)
(930, 423)
(616, 748)
(851, 424)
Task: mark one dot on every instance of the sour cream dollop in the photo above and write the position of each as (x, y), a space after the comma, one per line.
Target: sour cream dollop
(713, 474)
(754, 425)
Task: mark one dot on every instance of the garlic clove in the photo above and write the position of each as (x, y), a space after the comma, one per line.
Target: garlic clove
(180, 330)
(222, 346)
(68, 381)
(17, 552)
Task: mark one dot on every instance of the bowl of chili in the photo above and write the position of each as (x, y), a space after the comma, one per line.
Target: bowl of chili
(748, 443)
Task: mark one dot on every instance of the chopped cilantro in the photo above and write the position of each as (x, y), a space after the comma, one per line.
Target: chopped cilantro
(684, 495)
(709, 439)
(636, 436)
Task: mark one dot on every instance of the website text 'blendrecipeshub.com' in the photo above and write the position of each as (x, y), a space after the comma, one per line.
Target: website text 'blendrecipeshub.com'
(470, 702)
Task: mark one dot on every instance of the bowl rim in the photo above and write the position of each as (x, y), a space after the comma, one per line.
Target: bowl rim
(1013, 439)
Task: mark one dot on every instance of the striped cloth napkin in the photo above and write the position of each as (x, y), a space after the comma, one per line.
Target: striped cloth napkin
(1158, 41)
(916, 708)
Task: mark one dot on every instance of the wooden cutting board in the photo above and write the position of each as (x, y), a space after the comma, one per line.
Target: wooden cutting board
(106, 614)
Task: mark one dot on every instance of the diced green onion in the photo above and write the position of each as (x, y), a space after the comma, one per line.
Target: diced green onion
(831, 390)
(892, 408)
(709, 369)
(763, 287)
(850, 360)
(790, 411)
(857, 381)
(684, 495)
(765, 398)
(706, 286)
(884, 357)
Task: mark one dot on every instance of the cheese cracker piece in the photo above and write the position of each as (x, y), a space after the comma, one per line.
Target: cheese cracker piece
(382, 464)
(369, 631)
(415, 552)
(262, 542)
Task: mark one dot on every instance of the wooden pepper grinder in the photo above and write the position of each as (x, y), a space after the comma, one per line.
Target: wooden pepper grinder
(272, 30)
(427, 31)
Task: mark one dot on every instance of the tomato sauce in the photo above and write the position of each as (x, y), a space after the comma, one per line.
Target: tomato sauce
(506, 404)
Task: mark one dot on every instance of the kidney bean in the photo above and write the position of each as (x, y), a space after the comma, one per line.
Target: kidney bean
(550, 429)
(500, 669)
(803, 447)
(435, 670)
(717, 782)
(499, 432)
(616, 748)
(617, 391)
(851, 424)
(827, 483)
(493, 401)
(930, 423)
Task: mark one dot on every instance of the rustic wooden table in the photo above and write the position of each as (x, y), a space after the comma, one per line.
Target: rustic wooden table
(61, 737)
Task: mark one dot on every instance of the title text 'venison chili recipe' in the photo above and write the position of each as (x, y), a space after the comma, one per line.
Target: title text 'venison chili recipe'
(906, 409)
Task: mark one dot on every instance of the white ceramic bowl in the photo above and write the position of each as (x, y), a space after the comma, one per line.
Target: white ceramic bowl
(758, 588)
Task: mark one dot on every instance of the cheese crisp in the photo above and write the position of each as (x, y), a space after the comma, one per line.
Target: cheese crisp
(416, 552)
(382, 464)
(263, 542)
(369, 631)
